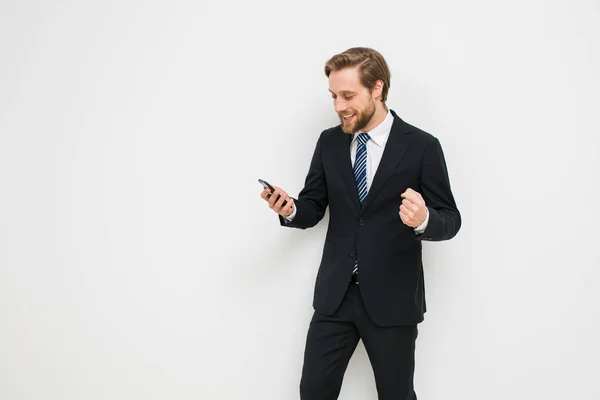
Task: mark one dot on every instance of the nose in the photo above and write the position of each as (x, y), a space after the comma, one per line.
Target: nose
(339, 105)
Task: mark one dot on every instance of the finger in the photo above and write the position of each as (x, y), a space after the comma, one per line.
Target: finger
(289, 207)
(410, 205)
(273, 199)
(279, 191)
(412, 196)
(265, 194)
(411, 191)
(278, 206)
(406, 211)
(284, 209)
(279, 203)
(405, 218)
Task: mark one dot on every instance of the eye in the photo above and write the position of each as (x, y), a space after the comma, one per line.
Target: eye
(348, 97)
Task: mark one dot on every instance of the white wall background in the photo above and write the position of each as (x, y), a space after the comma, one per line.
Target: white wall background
(137, 260)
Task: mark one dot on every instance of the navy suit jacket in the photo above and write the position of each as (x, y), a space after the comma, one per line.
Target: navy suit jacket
(388, 251)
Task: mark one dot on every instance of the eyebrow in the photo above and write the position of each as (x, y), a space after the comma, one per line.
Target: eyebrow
(344, 92)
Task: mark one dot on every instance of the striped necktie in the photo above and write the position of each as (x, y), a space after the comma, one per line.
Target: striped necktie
(360, 172)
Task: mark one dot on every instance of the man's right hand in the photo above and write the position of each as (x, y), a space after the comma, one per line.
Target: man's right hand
(277, 206)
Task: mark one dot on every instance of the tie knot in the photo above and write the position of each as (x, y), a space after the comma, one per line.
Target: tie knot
(363, 138)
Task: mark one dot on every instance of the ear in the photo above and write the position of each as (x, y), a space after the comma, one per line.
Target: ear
(377, 89)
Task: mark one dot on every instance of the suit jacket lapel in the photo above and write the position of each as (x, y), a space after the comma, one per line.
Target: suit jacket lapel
(346, 171)
(395, 148)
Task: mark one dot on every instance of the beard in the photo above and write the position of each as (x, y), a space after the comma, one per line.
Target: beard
(360, 120)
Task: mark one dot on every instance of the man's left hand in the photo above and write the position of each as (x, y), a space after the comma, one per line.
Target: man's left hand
(412, 210)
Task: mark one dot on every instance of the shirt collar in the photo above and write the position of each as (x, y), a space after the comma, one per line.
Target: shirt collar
(380, 133)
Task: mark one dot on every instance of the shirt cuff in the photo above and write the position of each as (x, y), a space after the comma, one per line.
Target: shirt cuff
(290, 217)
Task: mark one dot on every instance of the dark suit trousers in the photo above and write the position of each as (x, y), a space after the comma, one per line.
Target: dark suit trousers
(331, 341)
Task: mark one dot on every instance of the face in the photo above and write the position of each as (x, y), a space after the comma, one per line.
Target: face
(353, 102)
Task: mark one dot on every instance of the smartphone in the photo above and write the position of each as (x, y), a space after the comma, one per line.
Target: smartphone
(266, 185)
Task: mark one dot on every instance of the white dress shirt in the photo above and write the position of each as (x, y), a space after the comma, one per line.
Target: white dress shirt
(379, 136)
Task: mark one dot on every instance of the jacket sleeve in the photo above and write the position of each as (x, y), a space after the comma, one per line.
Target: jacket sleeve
(444, 217)
(312, 200)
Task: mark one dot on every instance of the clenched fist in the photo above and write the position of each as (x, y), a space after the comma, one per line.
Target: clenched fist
(276, 200)
(412, 210)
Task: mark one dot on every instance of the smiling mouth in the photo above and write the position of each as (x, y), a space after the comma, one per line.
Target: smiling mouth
(348, 117)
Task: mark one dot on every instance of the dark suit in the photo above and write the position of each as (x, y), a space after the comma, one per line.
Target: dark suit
(391, 289)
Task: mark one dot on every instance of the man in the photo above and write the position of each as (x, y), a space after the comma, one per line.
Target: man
(388, 189)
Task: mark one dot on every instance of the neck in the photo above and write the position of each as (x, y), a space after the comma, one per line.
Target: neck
(380, 114)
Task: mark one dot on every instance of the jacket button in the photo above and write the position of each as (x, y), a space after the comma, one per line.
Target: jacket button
(361, 222)
(352, 253)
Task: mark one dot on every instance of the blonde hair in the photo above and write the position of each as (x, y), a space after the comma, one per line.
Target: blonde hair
(371, 67)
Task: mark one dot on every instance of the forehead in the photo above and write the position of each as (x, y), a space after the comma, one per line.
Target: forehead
(345, 80)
